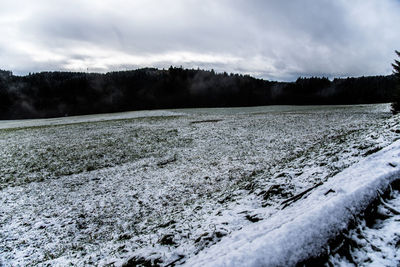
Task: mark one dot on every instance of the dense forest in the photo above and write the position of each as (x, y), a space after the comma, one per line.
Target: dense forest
(54, 94)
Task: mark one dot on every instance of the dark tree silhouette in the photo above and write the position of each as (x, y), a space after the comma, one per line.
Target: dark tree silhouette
(396, 71)
(54, 94)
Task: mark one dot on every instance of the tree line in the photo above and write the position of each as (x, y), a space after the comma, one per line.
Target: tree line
(54, 94)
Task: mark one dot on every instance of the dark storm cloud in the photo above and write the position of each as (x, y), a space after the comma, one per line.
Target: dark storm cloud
(271, 39)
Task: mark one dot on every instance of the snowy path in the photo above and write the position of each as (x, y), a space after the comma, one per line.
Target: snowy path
(375, 243)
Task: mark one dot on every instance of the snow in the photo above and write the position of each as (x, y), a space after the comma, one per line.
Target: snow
(165, 185)
(301, 231)
(7, 124)
(376, 244)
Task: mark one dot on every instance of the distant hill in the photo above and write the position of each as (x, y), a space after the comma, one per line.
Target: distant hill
(54, 94)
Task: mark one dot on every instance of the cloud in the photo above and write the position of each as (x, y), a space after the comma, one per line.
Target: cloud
(271, 39)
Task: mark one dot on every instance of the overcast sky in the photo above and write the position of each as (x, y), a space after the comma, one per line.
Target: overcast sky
(272, 39)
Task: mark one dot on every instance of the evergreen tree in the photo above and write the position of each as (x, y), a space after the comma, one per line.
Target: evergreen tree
(396, 102)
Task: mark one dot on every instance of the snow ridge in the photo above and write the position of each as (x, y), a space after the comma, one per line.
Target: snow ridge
(301, 231)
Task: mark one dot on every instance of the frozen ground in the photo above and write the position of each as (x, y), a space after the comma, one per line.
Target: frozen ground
(161, 186)
(311, 228)
(375, 243)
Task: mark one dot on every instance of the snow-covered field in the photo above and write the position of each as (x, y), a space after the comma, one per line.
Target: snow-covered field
(161, 186)
(376, 243)
(317, 226)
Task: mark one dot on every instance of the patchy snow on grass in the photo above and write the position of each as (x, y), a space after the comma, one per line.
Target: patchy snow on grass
(302, 230)
(374, 243)
(160, 188)
(7, 124)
